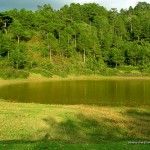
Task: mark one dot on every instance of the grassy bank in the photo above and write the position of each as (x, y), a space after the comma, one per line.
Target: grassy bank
(37, 126)
(39, 78)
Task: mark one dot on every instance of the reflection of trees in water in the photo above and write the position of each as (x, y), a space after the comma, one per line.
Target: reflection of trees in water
(104, 92)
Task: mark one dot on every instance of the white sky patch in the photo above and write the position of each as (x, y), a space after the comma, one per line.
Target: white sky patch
(108, 4)
(86, 1)
(57, 4)
(119, 4)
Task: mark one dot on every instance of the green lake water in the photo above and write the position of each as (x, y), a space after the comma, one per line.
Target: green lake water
(97, 92)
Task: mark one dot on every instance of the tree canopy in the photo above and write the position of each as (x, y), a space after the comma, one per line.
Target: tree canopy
(76, 36)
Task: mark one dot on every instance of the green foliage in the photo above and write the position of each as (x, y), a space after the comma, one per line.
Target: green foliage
(6, 44)
(18, 59)
(61, 74)
(44, 68)
(109, 72)
(13, 74)
(97, 40)
(43, 72)
(61, 70)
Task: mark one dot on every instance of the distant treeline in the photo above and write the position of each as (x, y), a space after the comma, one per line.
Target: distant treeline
(78, 39)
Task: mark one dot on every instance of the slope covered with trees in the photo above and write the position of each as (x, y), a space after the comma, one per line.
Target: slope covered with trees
(77, 39)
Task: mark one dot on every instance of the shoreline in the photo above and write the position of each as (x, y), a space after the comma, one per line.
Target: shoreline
(39, 78)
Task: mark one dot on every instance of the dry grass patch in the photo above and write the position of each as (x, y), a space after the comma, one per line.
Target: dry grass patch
(73, 124)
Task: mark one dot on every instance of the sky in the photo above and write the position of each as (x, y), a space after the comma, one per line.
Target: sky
(57, 4)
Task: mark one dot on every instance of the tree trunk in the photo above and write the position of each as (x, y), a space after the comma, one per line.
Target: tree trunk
(4, 27)
(5, 30)
(138, 39)
(143, 61)
(59, 37)
(101, 35)
(50, 54)
(84, 56)
(5, 24)
(17, 65)
(94, 56)
(8, 55)
(18, 39)
(131, 28)
(31, 64)
(68, 40)
(75, 41)
(90, 24)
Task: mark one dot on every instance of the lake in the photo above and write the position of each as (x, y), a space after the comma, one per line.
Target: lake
(96, 92)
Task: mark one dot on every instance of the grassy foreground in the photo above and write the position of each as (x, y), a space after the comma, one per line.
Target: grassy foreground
(38, 127)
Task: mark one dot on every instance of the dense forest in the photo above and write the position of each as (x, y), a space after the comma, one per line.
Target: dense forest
(76, 39)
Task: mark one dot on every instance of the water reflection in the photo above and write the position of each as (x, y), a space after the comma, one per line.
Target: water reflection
(103, 92)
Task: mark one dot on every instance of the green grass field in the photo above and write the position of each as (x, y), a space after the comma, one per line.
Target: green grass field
(38, 127)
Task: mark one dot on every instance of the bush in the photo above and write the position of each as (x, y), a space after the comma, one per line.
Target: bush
(61, 70)
(62, 74)
(4, 64)
(108, 72)
(43, 72)
(85, 72)
(18, 59)
(13, 74)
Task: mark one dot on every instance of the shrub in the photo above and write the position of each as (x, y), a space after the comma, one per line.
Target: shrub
(13, 74)
(43, 72)
(18, 59)
(108, 72)
(62, 74)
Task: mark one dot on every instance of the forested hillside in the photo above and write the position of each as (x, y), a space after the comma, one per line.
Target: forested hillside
(77, 39)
